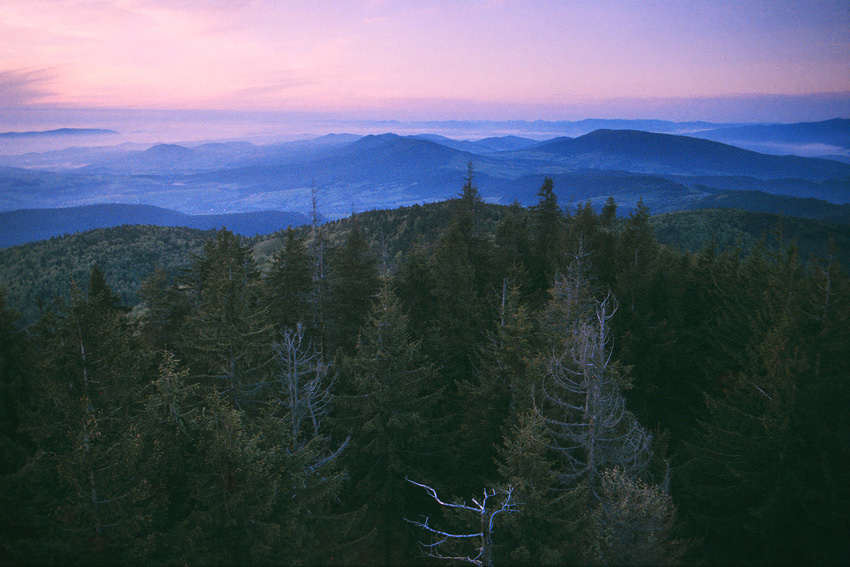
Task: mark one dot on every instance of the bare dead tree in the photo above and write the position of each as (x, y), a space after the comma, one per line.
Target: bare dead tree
(585, 409)
(304, 387)
(485, 510)
(572, 295)
(317, 296)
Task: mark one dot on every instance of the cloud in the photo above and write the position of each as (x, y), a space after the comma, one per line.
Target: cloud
(26, 87)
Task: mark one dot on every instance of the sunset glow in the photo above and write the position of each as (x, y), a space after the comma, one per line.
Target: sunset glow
(431, 60)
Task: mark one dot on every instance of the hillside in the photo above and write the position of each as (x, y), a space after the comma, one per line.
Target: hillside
(391, 233)
(30, 225)
(646, 152)
(729, 228)
(37, 271)
(776, 138)
(57, 133)
(663, 193)
(33, 274)
(443, 317)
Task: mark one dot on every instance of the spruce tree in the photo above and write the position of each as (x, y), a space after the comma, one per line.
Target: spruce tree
(353, 282)
(547, 234)
(551, 527)
(741, 480)
(415, 284)
(295, 433)
(583, 406)
(387, 390)
(90, 368)
(501, 388)
(15, 446)
(457, 316)
(288, 285)
(14, 389)
(637, 251)
(513, 246)
(824, 428)
(164, 310)
(633, 524)
(227, 341)
(232, 484)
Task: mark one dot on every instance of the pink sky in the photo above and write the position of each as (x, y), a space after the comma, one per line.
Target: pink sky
(476, 59)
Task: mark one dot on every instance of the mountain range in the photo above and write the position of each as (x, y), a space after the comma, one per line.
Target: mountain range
(343, 173)
(58, 132)
(828, 138)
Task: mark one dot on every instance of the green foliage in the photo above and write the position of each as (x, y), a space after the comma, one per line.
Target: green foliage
(353, 282)
(232, 486)
(632, 524)
(501, 388)
(89, 370)
(727, 228)
(288, 283)
(34, 274)
(751, 476)
(162, 311)
(388, 396)
(487, 354)
(229, 337)
(547, 237)
(552, 526)
(14, 389)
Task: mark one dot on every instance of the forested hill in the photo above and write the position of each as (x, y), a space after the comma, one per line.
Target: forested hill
(320, 396)
(731, 228)
(29, 225)
(35, 273)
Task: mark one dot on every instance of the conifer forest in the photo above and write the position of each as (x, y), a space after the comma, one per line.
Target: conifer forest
(457, 383)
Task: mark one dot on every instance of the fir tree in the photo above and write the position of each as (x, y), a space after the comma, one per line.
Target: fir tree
(232, 484)
(90, 371)
(502, 388)
(227, 341)
(164, 311)
(289, 283)
(740, 483)
(14, 391)
(513, 246)
(388, 389)
(633, 524)
(165, 436)
(552, 524)
(547, 226)
(415, 285)
(352, 285)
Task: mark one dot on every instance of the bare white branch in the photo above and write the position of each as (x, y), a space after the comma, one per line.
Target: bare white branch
(494, 502)
(303, 386)
(583, 407)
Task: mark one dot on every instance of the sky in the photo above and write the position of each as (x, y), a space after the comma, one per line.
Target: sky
(715, 60)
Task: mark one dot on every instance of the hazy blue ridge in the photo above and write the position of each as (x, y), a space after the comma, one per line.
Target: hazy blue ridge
(30, 225)
(357, 173)
(833, 132)
(635, 150)
(58, 132)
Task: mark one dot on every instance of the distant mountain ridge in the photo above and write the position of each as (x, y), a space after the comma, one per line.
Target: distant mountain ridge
(58, 132)
(30, 225)
(354, 173)
(835, 132)
(492, 144)
(638, 151)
